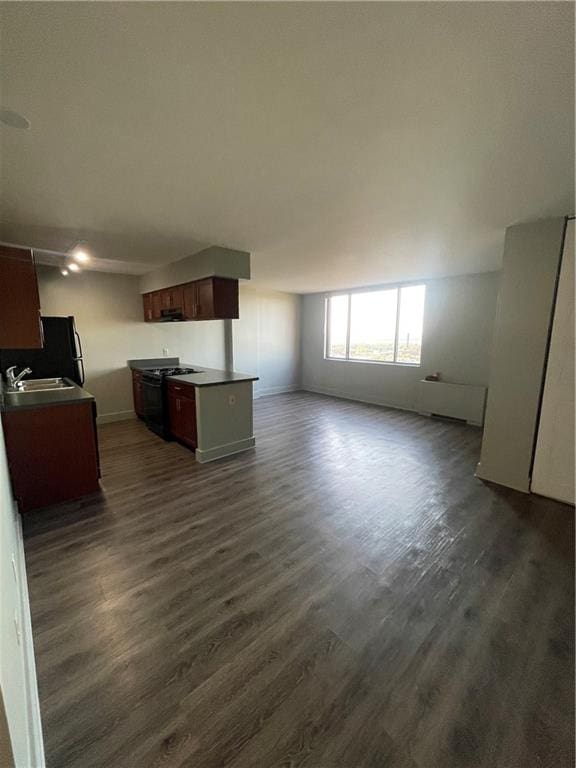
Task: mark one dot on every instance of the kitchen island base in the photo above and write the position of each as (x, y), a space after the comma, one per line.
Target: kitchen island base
(224, 420)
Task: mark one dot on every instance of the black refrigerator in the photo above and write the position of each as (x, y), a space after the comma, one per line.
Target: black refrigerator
(61, 354)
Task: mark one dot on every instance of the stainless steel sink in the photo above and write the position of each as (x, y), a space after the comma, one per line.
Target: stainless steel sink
(40, 385)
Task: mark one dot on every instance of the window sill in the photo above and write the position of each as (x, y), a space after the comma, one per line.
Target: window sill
(371, 362)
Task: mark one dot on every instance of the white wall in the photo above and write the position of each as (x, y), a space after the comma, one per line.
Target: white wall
(553, 473)
(17, 671)
(267, 339)
(458, 323)
(108, 312)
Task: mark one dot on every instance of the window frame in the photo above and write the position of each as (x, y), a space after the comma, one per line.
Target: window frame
(372, 289)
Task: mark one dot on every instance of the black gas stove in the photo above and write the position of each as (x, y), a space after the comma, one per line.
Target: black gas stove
(155, 398)
(162, 372)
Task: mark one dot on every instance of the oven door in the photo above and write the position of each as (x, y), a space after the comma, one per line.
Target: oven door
(153, 404)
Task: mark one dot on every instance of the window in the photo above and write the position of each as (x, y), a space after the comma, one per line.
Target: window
(380, 326)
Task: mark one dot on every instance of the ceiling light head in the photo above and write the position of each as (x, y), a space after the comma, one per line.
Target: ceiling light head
(13, 119)
(64, 272)
(80, 255)
(73, 267)
(80, 252)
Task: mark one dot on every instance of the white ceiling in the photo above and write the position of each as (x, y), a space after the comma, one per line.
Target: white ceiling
(342, 144)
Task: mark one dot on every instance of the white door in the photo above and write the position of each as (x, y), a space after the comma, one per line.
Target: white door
(554, 469)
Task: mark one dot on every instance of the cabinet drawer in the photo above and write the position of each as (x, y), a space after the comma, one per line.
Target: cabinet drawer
(182, 390)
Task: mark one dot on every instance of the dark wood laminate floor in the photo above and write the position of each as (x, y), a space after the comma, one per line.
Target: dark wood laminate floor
(348, 595)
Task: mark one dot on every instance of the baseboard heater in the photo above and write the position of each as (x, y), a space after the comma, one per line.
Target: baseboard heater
(464, 402)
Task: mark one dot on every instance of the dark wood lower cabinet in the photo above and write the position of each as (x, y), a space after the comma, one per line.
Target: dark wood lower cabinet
(182, 412)
(52, 453)
(138, 394)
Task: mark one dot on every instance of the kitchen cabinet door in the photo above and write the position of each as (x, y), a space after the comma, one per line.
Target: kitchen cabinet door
(205, 299)
(189, 301)
(188, 420)
(182, 413)
(175, 297)
(20, 326)
(174, 413)
(147, 304)
(157, 305)
(225, 293)
(45, 470)
(217, 298)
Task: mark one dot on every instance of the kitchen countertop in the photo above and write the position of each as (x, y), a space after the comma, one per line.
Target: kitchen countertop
(209, 377)
(16, 401)
(204, 377)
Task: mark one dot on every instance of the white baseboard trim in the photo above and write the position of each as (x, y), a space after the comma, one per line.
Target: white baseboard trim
(277, 390)
(107, 418)
(211, 454)
(34, 735)
(343, 396)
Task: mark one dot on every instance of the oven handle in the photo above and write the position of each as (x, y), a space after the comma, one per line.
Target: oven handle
(150, 383)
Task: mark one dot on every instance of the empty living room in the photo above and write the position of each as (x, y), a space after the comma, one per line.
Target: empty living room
(287, 378)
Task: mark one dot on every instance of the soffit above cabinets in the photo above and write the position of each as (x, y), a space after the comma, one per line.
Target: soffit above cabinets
(214, 261)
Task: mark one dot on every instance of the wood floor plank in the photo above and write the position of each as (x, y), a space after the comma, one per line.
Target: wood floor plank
(348, 595)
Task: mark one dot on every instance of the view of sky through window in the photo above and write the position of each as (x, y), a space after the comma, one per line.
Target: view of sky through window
(378, 326)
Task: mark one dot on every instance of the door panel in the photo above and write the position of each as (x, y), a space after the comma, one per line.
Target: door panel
(553, 472)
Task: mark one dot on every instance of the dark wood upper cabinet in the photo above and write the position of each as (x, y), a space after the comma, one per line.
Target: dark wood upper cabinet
(213, 298)
(217, 298)
(156, 299)
(190, 300)
(20, 326)
(147, 301)
(175, 297)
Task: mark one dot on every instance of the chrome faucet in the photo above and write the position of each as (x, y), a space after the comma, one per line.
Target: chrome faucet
(14, 380)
